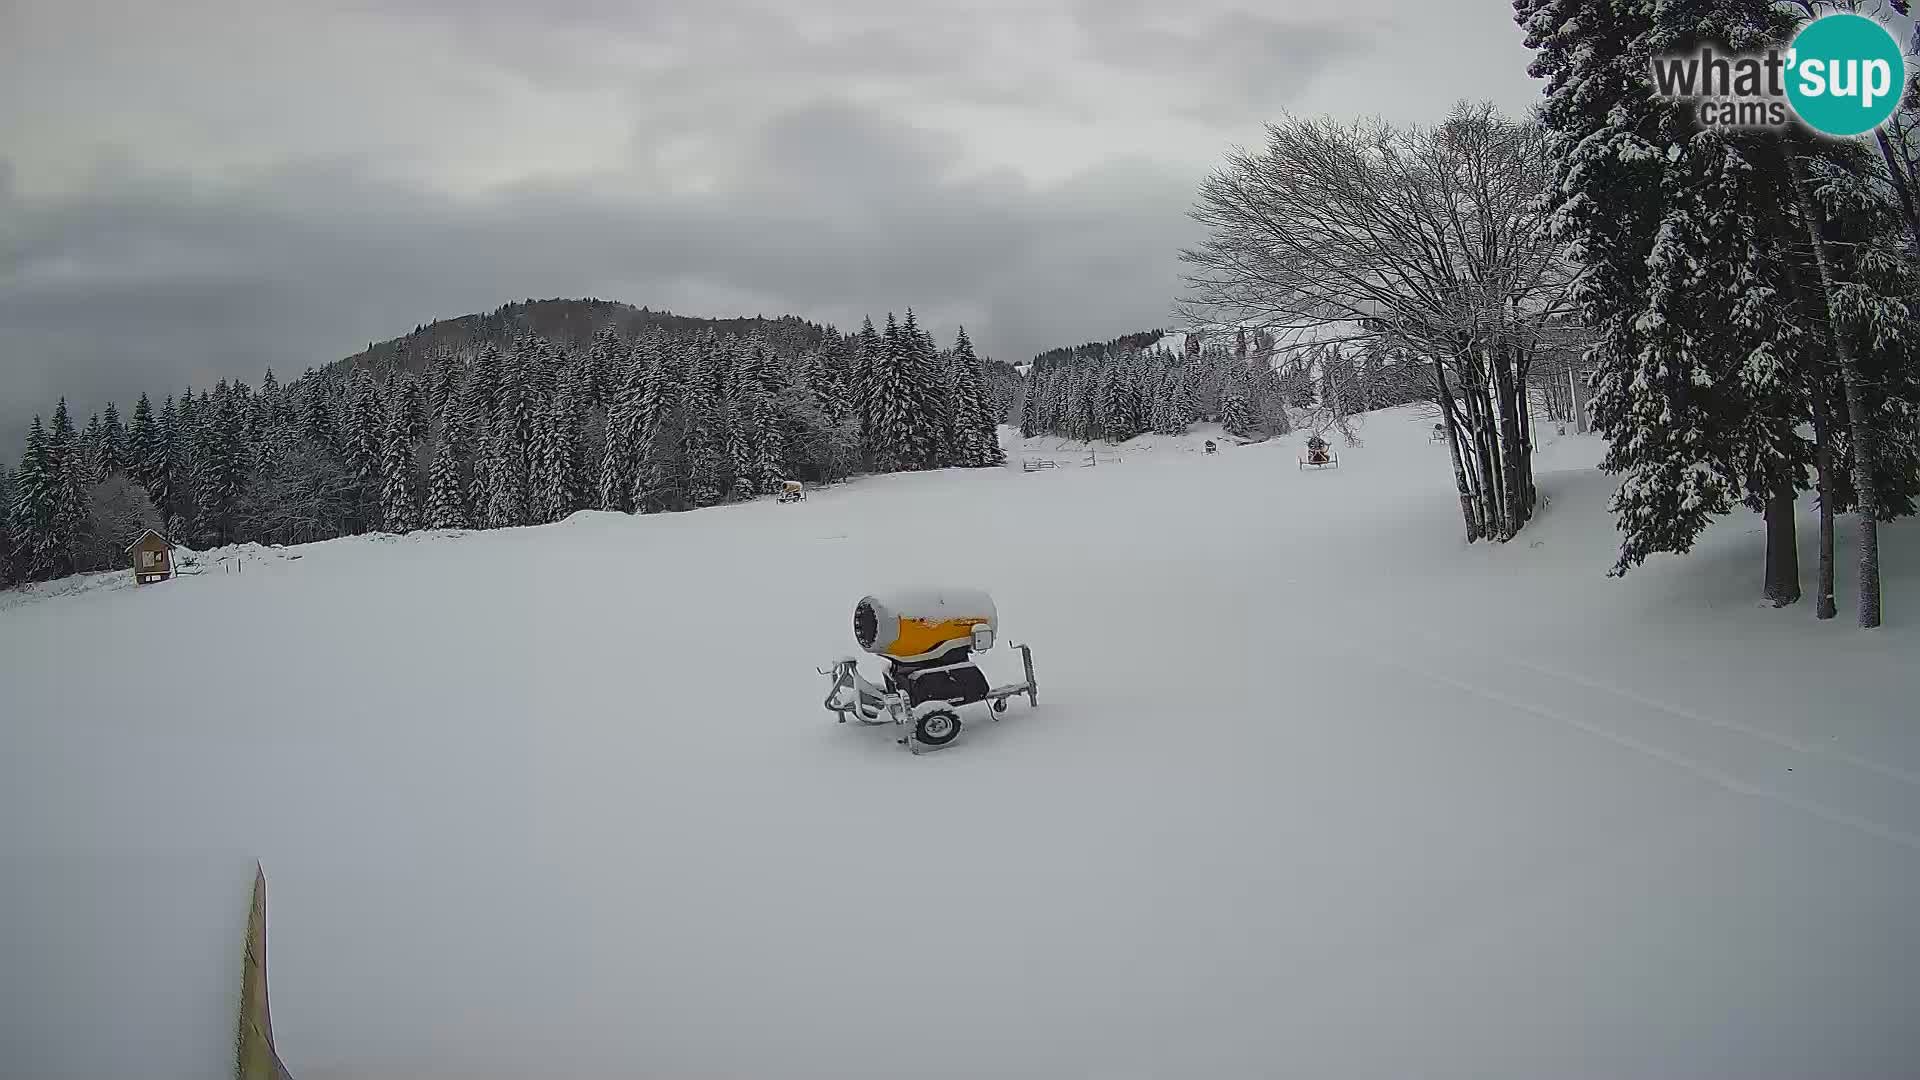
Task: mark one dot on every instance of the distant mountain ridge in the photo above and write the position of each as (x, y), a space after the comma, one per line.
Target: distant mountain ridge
(568, 323)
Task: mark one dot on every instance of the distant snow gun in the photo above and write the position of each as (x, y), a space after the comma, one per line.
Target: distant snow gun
(927, 638)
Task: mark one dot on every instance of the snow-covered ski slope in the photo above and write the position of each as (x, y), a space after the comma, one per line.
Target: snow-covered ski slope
(1314, 789)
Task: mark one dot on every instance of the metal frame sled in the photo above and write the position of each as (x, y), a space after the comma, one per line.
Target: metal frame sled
(923, 698)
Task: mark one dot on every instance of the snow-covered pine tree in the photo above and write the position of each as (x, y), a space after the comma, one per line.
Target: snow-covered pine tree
(113, 441)
(69, 533)
(11, 555)
(869, 358)
(603, 372)
(479, 484)
(513, 427)
(143, 445)
(506, 476)
(977, 432)
(319, 420)
(762, 383)
(443, 385)
(1032, 406)
(362, 433)
(1681, 286)
(1236, 414)
(558, 489)
(399, 497)
(701, 427)
(160, 478)
(927, 417)
(479, 396)
(824, 384)
(620, 450)
(406, 407)
(36, 491)
(446, 495)
(221, 468)
(660, 423)
(1188, 407)
(90, 439)
(890, 402)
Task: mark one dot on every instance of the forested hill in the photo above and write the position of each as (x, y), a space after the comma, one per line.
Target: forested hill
(571, 324)
(1097, 350)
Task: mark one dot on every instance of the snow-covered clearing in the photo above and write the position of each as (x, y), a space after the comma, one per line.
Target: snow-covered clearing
(1314, 789)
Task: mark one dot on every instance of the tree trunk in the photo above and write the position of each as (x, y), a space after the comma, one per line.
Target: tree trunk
(1445, 399)
(1783, 549)
(1865, 446)
(1899, 178)
(1487, 450)
(1823, 606)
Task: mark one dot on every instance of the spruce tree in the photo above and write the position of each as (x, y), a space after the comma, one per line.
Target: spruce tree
(891, 401)
(406, 407)
(870, 357)
(220, 469)
(1236, 415)
(36, 493)
(925, 407)
(619, 454)
(556, 481)
(69, 531)
(363, 430)
(399, 499)
(977, 434)
(143, 446)
(506, 477)
(480, 393)
(659, 477)
(479, 484)
(701, 428)
(90, 450)
(1682, 286)
(602, 373)
(1033, 419)
(10, 542)
(321, 427)
(446, 496)
(443, 386)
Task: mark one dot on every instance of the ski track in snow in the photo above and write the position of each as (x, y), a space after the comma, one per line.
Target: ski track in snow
(1705, 770)
(1771, 737)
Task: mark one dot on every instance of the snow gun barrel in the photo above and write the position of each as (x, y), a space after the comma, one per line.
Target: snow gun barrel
(917, 624)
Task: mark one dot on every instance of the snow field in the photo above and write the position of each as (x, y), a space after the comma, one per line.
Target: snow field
(1313, 789)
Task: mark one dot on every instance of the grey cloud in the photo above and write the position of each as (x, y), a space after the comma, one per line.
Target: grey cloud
(1219, 65)
(307, 264)
(391, 161)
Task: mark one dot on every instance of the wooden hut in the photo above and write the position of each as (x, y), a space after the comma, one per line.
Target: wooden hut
(152, 556)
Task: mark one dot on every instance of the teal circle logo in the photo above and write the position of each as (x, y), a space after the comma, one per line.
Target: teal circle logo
(1845, 74)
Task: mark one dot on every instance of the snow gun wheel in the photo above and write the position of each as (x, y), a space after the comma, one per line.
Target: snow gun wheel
(999, 704)
(937, 727)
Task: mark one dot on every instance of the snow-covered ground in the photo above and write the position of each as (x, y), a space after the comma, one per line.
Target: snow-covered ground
(1314, 789)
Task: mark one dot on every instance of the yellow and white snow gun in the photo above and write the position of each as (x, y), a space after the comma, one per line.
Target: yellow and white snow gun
(927, 637)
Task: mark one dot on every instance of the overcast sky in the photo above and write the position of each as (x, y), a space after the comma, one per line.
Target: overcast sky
(196, 189)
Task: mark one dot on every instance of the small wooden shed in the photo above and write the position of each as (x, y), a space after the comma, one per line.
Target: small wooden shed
(152, 556)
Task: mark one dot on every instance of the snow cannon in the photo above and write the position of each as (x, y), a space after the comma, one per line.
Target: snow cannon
(920, 624)
(927, 637)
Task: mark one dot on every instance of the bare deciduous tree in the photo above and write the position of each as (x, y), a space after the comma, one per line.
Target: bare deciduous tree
(1430, 240)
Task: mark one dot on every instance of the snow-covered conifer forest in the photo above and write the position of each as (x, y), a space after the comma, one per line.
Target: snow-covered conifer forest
(1506, 729)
